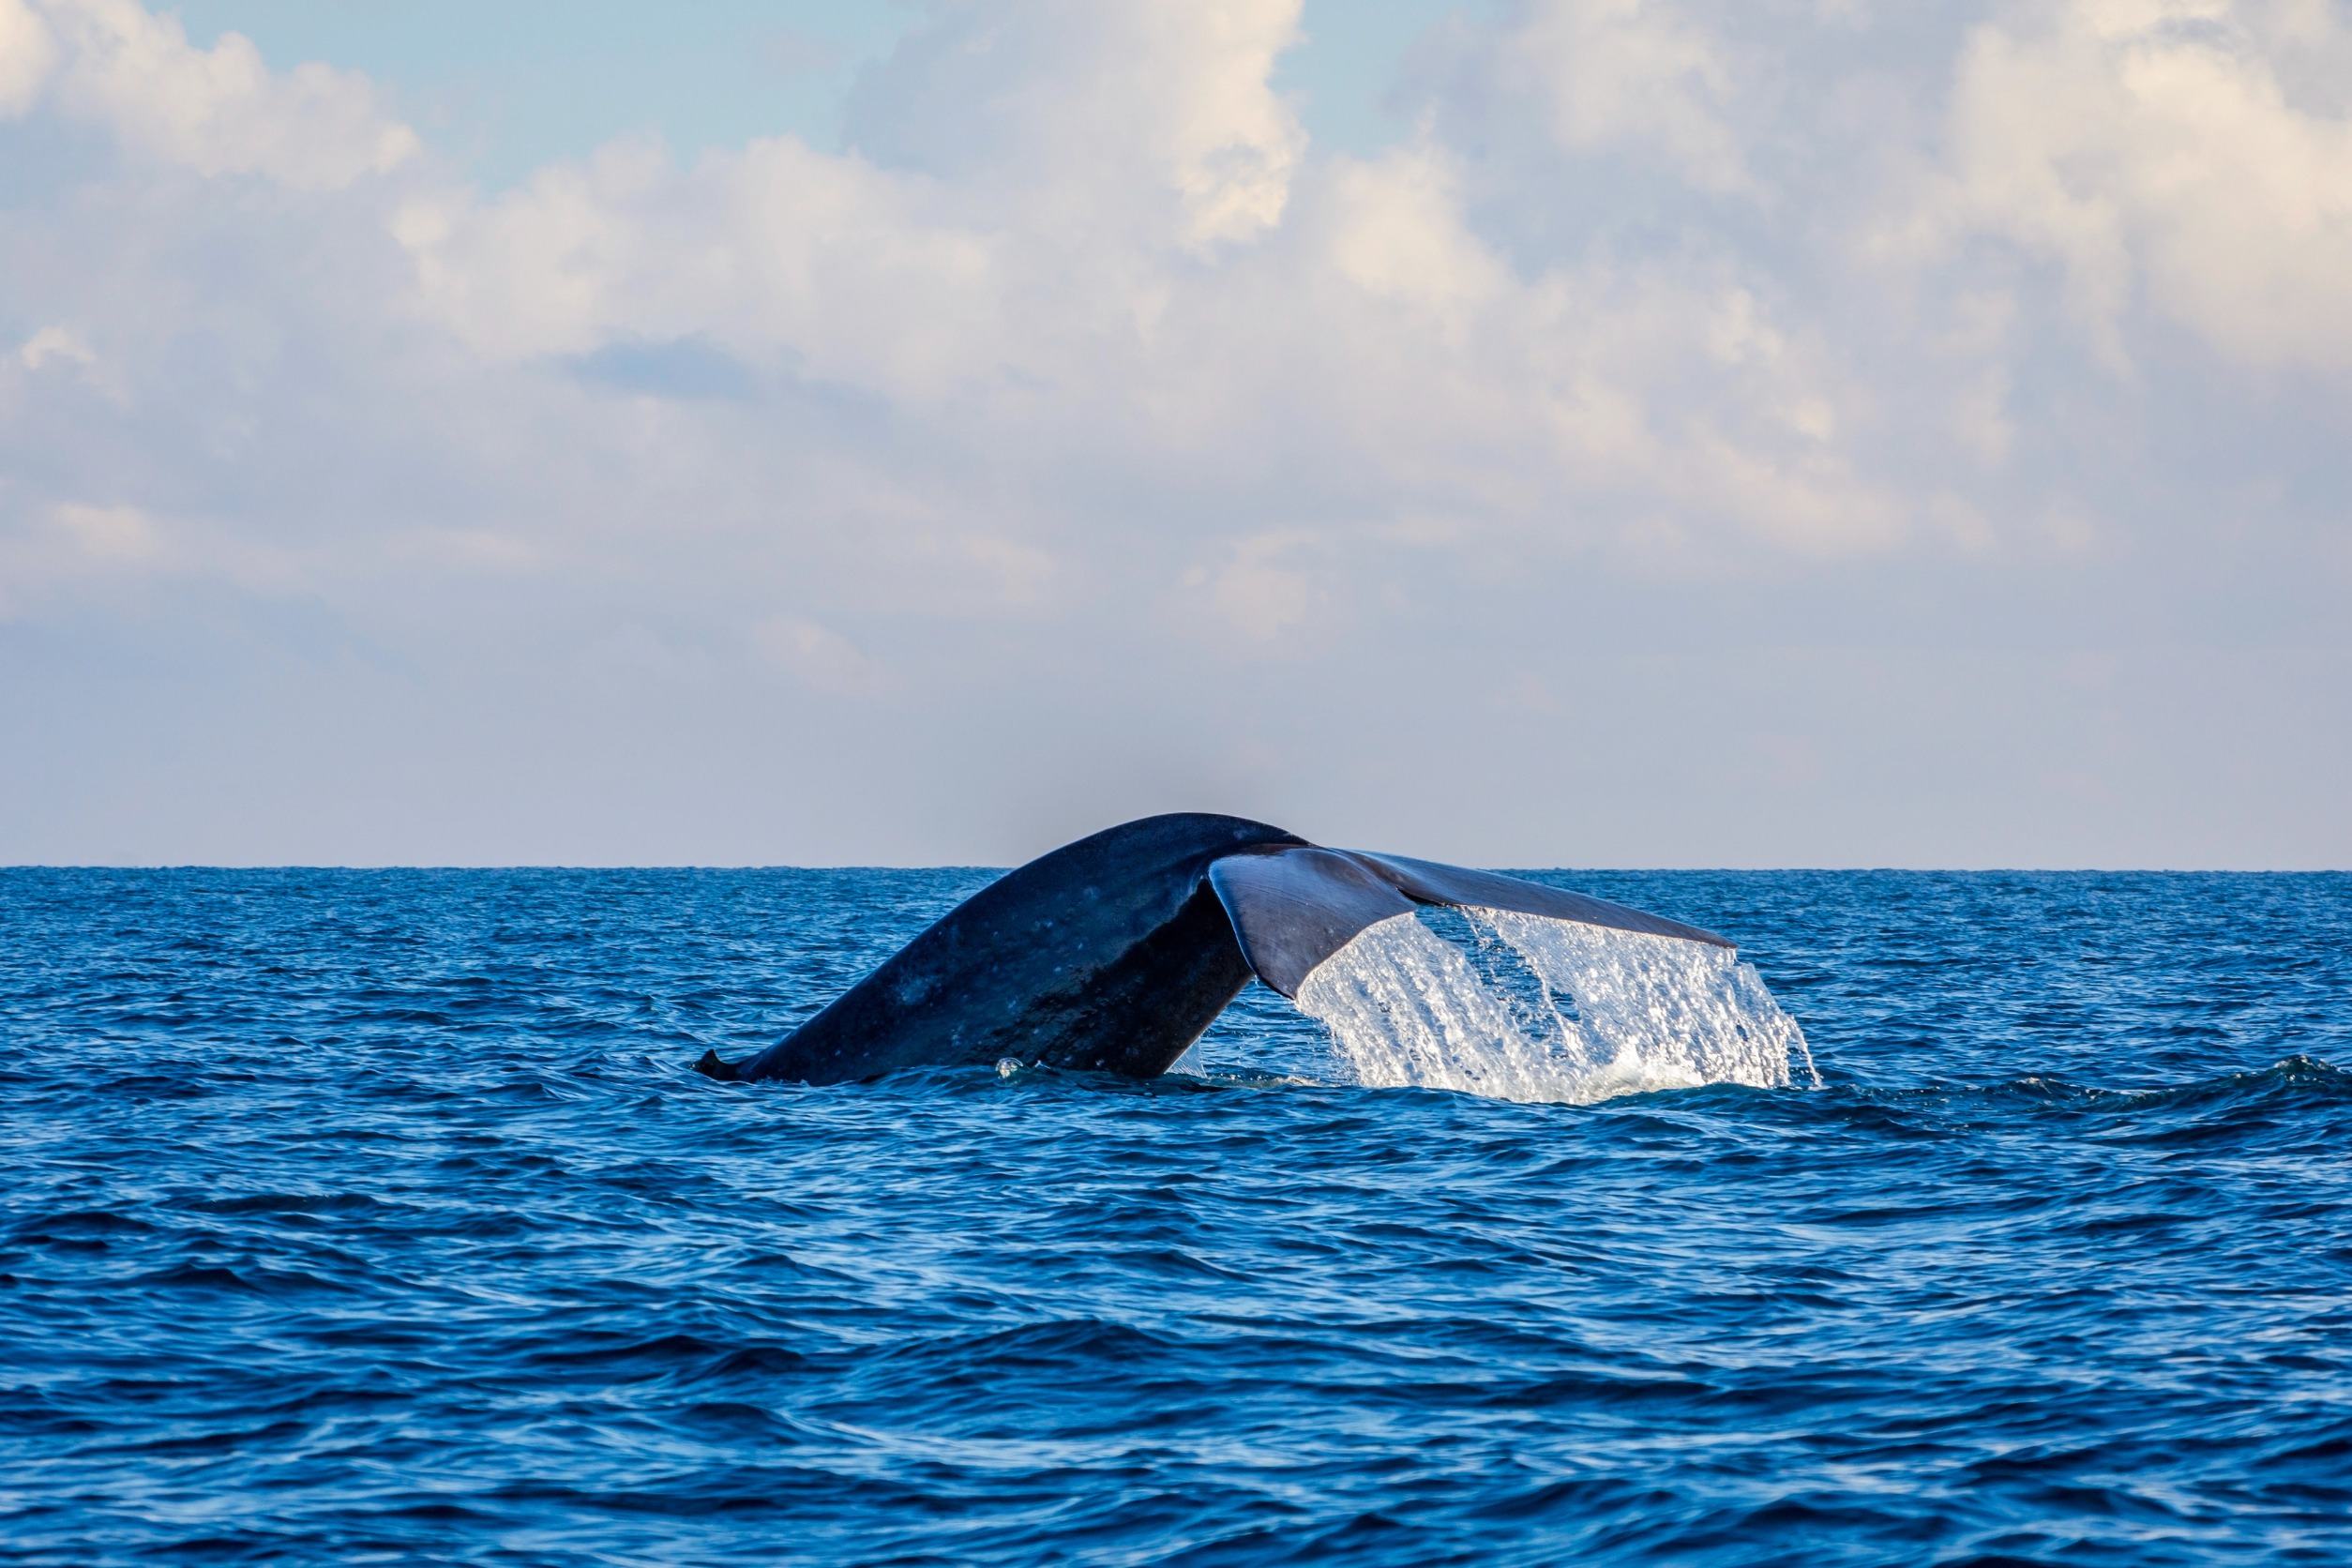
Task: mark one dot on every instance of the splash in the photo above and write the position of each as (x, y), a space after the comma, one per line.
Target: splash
(1531, 1008)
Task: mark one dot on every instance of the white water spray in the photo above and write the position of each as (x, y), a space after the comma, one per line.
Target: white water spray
(1613, 1012)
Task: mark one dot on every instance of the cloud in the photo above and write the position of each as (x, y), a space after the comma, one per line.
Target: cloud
(1087, 115)
(55, 344)
(779, 249)
(819, 656)
(28, 53)
(1637, 73)
(2153, 147)
(220, 111)
(1262, 591)
(69, 543)
(111, 534)
(1367, 319)
(1671, 342)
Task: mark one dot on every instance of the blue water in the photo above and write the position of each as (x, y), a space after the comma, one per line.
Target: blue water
(376, 1218)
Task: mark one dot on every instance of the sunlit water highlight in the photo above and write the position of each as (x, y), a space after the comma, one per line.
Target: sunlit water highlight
(1522, 1007)
(379, 1217)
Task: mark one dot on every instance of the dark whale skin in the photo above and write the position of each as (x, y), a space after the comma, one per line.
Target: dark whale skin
(1110, 953)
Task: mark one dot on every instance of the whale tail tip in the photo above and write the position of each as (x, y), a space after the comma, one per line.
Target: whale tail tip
(712, 1067)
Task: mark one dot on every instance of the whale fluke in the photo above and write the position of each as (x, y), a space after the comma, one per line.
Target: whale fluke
(1295, 908)
(1292, 909)
(1425, 882)
(1116, 952)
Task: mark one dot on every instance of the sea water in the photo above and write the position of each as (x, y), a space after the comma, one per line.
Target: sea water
(376, 1217)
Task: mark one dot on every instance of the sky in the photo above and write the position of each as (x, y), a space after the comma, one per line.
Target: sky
(1523, 433)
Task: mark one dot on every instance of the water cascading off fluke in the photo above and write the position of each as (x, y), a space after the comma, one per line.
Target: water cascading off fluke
(1614, 1011)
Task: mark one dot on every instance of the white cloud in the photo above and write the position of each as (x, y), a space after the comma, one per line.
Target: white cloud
(2152, 146)
(1372, 322)
(819, 656)
(1634, 72)
(68, 544)
(55, 344)
(1398, 234)
(778, 248)
(218, 110)
(111, 534)
(27, 55)
(1263, 590)
(1095, 118)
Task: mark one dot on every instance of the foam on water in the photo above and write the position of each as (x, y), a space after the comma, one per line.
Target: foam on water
(1531, 1008)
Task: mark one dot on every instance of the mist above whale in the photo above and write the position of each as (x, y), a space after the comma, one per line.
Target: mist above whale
(1115, 952)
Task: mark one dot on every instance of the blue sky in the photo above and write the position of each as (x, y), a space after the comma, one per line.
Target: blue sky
(512, 86)
(1638, 432)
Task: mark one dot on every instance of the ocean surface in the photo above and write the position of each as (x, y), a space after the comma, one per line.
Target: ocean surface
(376, 1218)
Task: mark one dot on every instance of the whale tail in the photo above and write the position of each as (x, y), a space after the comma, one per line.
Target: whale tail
(1115, 952)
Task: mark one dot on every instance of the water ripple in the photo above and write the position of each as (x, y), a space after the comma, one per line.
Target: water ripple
(378, 1216)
